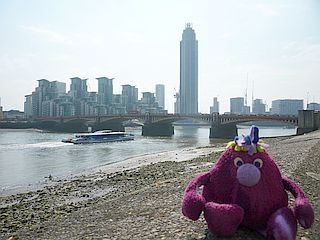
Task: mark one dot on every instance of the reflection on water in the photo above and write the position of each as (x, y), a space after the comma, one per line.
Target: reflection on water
(28, 157)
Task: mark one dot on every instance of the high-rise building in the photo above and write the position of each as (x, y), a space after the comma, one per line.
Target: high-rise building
(105, 90)
(215, 106)
(177, 103)
(148, 104)
(258, 107)
(39, 96)
(78, 88)
(148, 98)
(40, 103)
(286, 106)
(56, 89)
(50, 99)
(160, 95)
(1, 111)
(129, 97)
(188, 71)
(237, 105)
(246, 109)
(313, 106)
(79, 92)
(28, 106)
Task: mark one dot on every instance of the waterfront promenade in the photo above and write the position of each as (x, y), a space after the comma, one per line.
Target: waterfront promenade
(126, 202)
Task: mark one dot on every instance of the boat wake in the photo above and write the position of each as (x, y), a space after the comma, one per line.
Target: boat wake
(33, 145)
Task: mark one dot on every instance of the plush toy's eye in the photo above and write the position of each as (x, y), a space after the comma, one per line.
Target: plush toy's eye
(258, 163)
(238, 162)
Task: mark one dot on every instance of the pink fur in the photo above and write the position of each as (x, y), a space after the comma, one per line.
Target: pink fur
(282, 225)
(227, 204)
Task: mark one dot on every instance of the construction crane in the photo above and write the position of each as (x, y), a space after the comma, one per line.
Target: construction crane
(176, 95)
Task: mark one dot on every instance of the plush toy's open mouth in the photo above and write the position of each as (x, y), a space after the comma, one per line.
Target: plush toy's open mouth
(248, 175)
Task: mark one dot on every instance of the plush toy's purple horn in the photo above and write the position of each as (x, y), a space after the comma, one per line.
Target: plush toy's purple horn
(251, 141)
(254, 134)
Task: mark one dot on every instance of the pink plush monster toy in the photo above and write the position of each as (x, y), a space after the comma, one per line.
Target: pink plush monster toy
(245, 187)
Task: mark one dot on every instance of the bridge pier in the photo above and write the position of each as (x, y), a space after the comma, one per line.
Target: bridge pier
(114, 126)
(156, 129)
(308, 121)
(226, 131)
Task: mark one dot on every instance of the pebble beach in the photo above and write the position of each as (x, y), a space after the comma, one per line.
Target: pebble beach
(141, 197)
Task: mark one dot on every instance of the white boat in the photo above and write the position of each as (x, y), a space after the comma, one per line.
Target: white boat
(99, 137)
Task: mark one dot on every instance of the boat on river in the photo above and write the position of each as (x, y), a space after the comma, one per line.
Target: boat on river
(99, 137)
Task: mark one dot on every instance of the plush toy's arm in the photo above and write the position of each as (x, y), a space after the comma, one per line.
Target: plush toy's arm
(302, 208)
(193, 203)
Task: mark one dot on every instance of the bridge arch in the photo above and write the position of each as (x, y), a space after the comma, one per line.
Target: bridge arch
(228, 119)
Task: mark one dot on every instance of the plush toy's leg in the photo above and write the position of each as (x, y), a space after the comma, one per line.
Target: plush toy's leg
(282, 225)
(223, 219)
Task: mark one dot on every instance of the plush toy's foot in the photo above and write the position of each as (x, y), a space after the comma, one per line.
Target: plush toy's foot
(223, 219)
(282, 225)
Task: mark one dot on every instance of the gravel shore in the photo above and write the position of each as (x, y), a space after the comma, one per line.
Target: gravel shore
(130, 202)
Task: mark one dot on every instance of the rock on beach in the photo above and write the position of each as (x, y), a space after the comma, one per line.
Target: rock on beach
(142, 198)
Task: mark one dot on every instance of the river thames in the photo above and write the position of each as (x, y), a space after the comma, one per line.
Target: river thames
(29, 157)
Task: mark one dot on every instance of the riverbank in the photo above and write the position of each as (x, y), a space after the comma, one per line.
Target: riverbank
(144, 202)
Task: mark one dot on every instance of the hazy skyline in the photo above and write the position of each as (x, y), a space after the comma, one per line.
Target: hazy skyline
(137, 42)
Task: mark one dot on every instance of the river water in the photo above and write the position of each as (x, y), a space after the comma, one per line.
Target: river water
(28, 157)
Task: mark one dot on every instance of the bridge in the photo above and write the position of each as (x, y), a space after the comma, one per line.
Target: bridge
(222, 126)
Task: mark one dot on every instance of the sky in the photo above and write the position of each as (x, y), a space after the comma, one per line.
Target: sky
(271, 48)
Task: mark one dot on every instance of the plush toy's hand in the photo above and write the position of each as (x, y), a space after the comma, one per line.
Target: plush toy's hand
(304, 213)
(223, 219)
(193, 205)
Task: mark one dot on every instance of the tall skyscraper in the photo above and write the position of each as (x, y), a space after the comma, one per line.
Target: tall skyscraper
(160, 95)
(188, 71)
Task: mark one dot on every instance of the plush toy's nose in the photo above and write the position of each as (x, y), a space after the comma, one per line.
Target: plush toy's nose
(248, 175)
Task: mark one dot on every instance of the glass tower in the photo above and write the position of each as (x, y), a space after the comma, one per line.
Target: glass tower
(160, 95)
(188, 71)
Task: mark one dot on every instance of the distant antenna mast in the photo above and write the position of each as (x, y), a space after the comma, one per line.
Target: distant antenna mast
(246, 94)
(252, 90)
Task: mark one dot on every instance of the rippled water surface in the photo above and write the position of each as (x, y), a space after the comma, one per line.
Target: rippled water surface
(30, 156)
(27, 156)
